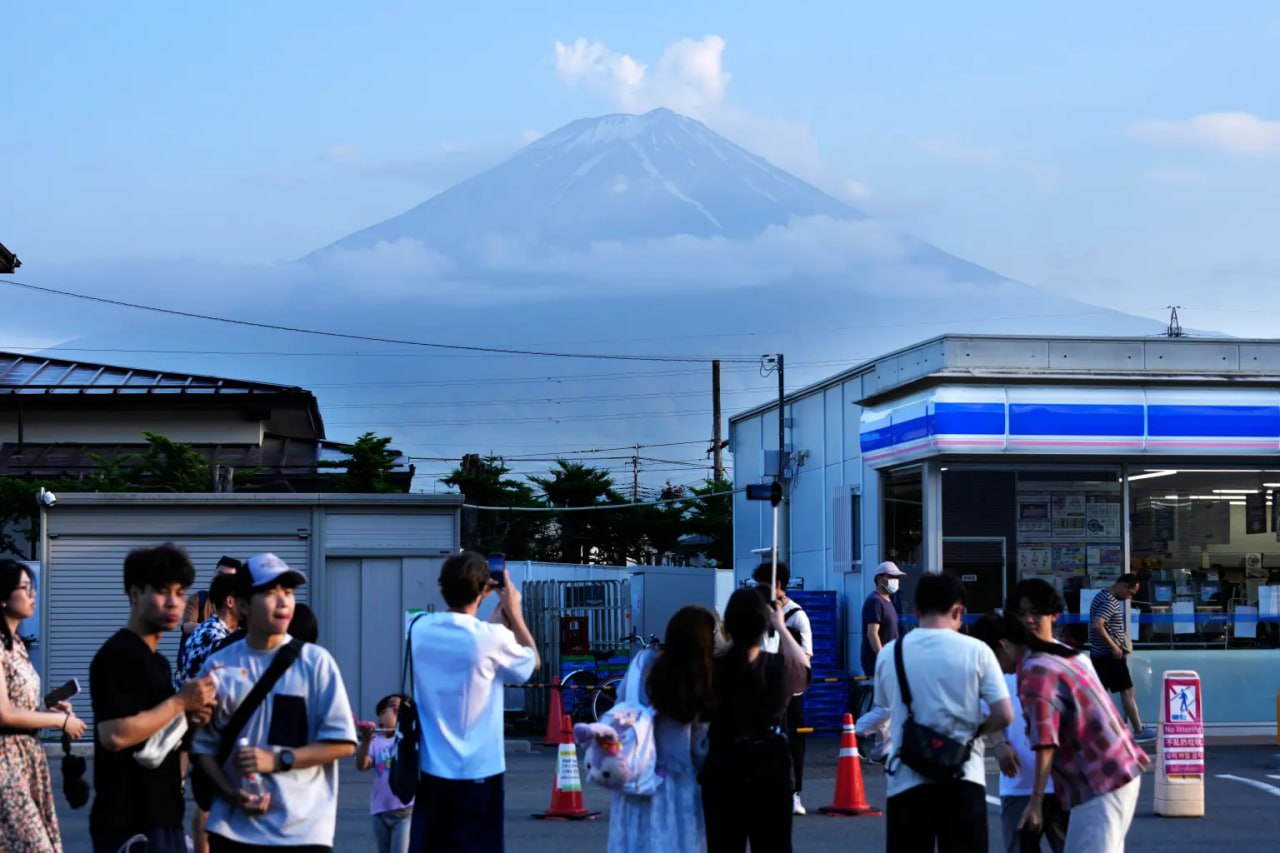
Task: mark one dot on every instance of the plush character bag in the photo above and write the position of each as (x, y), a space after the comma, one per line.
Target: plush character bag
(622, 754)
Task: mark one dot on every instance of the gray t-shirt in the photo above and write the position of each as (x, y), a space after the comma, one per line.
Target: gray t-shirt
(308, 704)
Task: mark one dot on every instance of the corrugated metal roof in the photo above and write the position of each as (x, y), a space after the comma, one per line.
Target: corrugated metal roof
(35, 374)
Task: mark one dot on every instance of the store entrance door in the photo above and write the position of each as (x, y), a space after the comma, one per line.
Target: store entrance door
(981, 563)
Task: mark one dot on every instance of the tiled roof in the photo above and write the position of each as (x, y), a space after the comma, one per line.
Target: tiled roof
(35, 374)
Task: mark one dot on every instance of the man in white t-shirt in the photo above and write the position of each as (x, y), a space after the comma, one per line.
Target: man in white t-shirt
(950, 676)
(460, 665)
(797, 622)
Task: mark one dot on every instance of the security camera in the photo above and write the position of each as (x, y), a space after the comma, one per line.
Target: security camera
(46, 497)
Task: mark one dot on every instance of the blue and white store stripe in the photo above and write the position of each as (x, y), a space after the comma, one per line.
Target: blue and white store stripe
(1085, 421)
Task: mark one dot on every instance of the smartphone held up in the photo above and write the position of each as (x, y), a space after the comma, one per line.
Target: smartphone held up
(498, 569)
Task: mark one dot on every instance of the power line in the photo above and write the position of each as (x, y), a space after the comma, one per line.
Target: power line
(535, 400)
(192, 315)
(621, 416)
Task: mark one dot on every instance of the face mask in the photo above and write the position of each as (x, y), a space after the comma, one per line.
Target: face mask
(891, 585)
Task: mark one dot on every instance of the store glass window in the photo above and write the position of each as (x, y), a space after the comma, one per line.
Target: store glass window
(1205, 543)
(1061, 523)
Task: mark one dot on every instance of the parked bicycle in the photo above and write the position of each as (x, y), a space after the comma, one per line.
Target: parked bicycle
(585, 695)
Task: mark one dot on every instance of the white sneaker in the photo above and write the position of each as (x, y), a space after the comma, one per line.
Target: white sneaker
(797, 807)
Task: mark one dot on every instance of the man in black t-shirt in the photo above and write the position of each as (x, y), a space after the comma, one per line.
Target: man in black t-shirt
(133, 699)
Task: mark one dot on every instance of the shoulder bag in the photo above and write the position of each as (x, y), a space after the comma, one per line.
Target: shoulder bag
(279, 665)
(405, 770)
(932, 754)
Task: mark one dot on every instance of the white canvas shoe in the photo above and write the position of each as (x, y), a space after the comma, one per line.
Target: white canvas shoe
(797, 807)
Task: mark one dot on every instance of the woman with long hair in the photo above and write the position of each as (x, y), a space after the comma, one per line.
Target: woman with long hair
(1074, 731)
(676, 683)
(747, 783)
(28, 821)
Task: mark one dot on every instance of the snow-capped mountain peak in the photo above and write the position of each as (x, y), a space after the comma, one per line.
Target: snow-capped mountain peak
(612, 178)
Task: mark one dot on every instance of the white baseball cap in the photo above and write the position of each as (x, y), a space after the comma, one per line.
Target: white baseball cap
(890, 568)
(263, 571)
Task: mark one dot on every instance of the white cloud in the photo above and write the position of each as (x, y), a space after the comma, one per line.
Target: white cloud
(341, 155)
(945, 148)
(528, 136)
(855, 190)
(1233, 133)
(860, 255)
(690, 78)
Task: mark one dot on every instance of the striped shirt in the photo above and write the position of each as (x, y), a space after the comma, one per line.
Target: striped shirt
(1110, 610)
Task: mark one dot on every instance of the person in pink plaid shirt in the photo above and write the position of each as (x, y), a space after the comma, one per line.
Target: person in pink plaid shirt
(1075, 732)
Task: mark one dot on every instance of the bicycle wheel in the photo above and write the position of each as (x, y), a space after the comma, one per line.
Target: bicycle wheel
(605, 696)
(576, 691)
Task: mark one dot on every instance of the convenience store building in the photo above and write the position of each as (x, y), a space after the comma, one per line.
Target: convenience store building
(1071, 459)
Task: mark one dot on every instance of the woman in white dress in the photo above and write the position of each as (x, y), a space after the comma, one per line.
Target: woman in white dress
(676, 683)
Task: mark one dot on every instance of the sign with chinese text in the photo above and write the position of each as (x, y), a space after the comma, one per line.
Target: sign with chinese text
(1182, 741)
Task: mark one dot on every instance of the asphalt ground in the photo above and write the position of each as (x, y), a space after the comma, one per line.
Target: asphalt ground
(1242, 805)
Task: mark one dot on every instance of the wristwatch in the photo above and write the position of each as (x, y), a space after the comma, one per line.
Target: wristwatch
(285, 759)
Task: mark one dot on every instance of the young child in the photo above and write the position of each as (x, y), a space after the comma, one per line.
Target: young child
(391, 818)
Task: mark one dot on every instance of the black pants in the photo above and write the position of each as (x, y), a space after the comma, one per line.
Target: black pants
(952, 815)
(160, 839)
(737, 815)
(218, 844)
(457, 816)
(795, 720)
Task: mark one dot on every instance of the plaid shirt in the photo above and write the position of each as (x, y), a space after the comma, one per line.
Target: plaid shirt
(1067, 708)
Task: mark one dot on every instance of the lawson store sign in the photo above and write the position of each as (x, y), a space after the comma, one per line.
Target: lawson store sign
(1081, 420)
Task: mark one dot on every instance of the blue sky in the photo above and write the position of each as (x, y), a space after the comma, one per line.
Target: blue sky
(1124, 153)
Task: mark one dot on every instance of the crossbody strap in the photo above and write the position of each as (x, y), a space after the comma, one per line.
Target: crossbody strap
(279, 664)
(406, 670)
(903, 687)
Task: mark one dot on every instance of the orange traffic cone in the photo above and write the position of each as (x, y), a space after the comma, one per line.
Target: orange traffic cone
(555, 710)
(851, 799)
(566, 789)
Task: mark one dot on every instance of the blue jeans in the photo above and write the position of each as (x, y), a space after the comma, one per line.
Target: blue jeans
(391, 830)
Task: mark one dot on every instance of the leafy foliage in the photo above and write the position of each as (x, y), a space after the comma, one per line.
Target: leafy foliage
(483, 481)
(370, 461)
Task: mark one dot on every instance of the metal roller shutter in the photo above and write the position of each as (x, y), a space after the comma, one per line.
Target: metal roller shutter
(84, 594)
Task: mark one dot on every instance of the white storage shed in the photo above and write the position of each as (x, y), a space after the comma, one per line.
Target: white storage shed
(368, 558)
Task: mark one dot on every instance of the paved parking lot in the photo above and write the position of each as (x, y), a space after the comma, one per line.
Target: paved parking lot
(1242, 798)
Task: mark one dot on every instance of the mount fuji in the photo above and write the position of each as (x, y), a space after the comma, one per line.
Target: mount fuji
(645, 235)
(622, 178)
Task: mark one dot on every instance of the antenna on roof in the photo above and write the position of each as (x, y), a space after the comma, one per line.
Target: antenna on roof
(1175, 328)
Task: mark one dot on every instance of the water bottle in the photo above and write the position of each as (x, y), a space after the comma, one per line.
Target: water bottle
(252, 781)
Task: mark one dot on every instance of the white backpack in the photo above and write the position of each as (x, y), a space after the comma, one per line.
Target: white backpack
(622, 753)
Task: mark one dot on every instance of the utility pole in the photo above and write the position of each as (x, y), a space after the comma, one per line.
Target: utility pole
(770, 363)
(1175, 327)
(635, 476)
(717, 445)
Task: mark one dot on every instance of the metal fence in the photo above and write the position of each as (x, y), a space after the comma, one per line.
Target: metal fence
(606, 604)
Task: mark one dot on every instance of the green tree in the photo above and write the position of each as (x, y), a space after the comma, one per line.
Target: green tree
(483, 481)
(649, 532)
(580, 537)
(19, 516)
(710, 516)
(168, 465)
(369, 463)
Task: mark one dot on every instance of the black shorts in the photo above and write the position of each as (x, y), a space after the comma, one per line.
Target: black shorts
(1113, 672)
